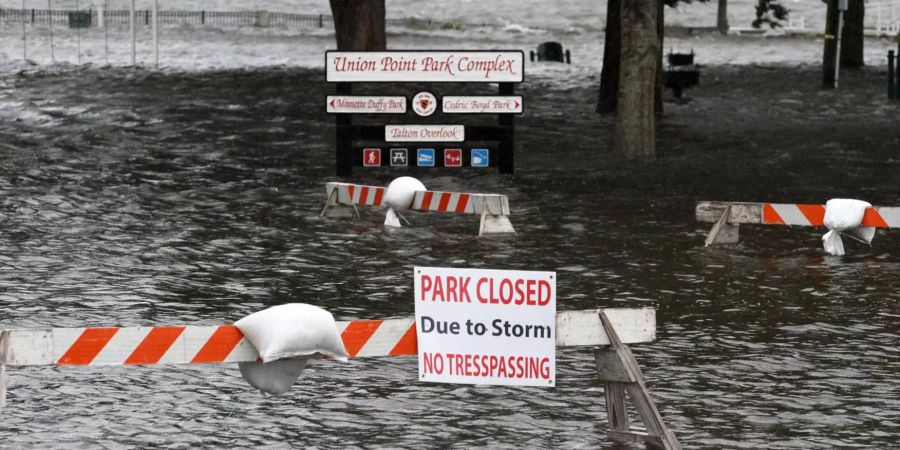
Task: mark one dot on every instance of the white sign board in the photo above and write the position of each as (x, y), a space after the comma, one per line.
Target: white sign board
(504, 104)
(425, 66)
(424, 133)
(354, 104)
(480, 326)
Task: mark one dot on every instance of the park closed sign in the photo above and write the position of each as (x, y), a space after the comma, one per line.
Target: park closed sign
(481, 326)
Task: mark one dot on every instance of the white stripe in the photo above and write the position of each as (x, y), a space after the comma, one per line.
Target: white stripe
(790, 214)
(63, 338)
(243, 351)
(384, 338)
(454, 200)
(417, 200)
(120, 346)
(193, 339)
(891, 215)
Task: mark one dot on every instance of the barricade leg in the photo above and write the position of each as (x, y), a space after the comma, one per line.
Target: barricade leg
(723, 232)
(4, 343)
(335, 210)
(617, 367)
(494, 224)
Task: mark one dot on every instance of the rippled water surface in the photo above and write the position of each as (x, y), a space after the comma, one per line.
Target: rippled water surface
(132, 198)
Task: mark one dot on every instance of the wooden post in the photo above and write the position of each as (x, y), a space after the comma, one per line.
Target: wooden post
(507, 146)
(156, 33)
(131, 19)
(4, 343)
(50, 12)
(617, 367)
(344, 141)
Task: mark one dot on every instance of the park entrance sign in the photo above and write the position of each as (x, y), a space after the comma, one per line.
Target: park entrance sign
(479, 326)
(476, 146)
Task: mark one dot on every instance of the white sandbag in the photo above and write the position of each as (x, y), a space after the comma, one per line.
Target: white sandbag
(401, 192)
(291, 330)
(844, 215)
(399, 197)
(275, 377)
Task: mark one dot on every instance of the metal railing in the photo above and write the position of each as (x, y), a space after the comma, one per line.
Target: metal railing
(143, 17)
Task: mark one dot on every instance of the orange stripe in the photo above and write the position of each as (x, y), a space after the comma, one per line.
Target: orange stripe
(771, 216)
(379, 193)
(815, 214)
(350, 189)
(155, 345)
(445, 199)
(87, 346)
(873, 219)
(219, 345)
(407, 345)
(357, 334)
(426, 200)
(462, 203)
(363, 195)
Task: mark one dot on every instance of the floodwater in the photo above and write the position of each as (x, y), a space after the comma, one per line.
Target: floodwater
(136, 198)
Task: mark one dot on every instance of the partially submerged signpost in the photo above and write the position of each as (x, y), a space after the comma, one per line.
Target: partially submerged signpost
(500, 327)
(425, 145)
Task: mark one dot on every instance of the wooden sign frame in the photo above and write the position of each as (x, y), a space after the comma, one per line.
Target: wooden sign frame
(348, 154)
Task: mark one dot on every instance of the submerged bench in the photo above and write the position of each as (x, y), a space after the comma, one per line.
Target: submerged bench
(186, 344)
(342, 199)
(728, 216)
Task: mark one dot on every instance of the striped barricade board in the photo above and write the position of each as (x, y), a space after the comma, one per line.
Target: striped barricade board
(493, 208)
(729, 215)
(186, 344)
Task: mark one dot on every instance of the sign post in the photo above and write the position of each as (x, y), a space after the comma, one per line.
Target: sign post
(479, 326)
(503, 67)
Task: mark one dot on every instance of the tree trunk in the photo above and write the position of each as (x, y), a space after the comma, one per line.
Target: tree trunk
(852, 39)
(635, 119)
(722, 19)
(830, 46)
(660, 33)
(359, 24)
(612, 49)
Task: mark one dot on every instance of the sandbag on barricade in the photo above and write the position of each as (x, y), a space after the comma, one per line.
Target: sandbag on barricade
(286, 338)
(845, 215)
(399, 197)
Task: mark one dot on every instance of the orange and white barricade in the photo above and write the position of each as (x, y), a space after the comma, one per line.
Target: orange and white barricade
(186, 344)
(342, 199)
(728, 216)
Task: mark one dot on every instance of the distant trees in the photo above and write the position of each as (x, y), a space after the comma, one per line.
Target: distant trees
(359, 24)
(772, 13)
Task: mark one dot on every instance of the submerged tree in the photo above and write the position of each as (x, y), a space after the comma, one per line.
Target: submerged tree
(612, 49)
(635, 136)
(359, 24)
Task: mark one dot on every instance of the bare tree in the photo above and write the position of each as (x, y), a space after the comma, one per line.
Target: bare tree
(722, 19)
(635, 136)
(359, 24)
